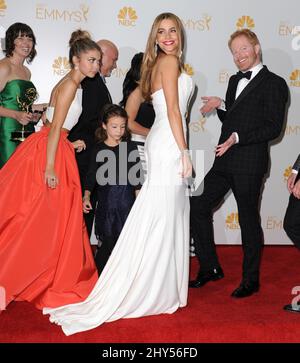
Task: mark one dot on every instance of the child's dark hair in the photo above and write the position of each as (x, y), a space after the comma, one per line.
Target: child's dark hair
(109, 111)
(12, 33)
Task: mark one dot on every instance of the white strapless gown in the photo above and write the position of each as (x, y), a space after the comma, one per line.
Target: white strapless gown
(147, 272)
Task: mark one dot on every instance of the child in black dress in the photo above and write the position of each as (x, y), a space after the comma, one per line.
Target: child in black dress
(115, 171)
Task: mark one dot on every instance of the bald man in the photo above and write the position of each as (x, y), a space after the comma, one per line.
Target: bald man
(95, 96)
(110, 55)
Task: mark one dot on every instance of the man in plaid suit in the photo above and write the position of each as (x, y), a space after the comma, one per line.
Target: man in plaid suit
(252, 115)
(291, 222)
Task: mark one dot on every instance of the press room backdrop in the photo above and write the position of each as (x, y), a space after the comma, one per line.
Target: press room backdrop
(208, 25)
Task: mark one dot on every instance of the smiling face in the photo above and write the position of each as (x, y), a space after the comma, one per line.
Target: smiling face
(20, 42)
(167, 37)
(245, 54)
(88, 63)
(23, 45)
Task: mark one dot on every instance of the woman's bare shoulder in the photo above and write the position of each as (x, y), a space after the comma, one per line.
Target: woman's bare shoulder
(5, 67)
(65, 88)
(167, 61)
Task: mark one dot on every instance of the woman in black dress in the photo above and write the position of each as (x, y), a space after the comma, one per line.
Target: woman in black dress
(140, 113)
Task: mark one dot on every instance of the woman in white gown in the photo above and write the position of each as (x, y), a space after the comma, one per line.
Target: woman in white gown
(147, 272)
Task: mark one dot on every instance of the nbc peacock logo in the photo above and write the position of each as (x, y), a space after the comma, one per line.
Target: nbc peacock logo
(61, 66)
(232, 221)
(295, 78)
(2, 7)
(127, 16)
(287, 173)
(245, 22)
(188, 69)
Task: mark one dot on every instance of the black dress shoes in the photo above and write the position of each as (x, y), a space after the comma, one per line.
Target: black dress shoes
(245, 289)
(204, 277)
(295, 308)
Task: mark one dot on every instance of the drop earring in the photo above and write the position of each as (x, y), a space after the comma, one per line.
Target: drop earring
(156, 49)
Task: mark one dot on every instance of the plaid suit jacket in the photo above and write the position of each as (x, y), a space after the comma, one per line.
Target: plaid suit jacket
(257, 115)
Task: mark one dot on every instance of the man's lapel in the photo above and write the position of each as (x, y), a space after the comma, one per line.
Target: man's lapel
(105, 87)
(253, 84)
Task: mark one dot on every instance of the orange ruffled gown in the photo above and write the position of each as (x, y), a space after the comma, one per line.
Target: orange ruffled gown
(45, 254)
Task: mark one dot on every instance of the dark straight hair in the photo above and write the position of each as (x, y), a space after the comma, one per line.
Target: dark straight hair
(12, 33)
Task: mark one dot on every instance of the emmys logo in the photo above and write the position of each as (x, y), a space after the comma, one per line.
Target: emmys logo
(119, 72)
(78, 16)
(224, 76)
(202, 24)
(2, 299)
(296, 39)
(274, 223)
(127, 16)
(2, 7)
(245, 22)
(295, 78)
(61, 66)
(287, 30)
(232, 221)
(287, 173)
(198, 126)
(292, 130)
(189, 69)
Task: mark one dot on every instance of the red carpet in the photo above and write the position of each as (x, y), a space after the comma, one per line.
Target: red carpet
(211, 315)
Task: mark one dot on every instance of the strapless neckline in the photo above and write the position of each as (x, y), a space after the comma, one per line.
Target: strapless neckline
(73, 113)
(19, 80)
(160, 89)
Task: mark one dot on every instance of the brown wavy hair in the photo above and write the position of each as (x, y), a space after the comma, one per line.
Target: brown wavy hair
(150, 55)
(109, 111)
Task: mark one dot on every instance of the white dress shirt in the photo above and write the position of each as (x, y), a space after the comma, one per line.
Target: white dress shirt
(244, 81)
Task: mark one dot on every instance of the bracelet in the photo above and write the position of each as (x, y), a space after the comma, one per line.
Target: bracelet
(185, 151)
(85, 198)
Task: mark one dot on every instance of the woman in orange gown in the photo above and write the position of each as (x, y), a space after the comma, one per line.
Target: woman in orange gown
(45, 254)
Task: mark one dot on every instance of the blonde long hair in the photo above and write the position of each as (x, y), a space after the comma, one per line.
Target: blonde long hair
(150, 55)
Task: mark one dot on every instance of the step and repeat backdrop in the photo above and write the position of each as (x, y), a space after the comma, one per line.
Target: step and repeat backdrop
(208, 25)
